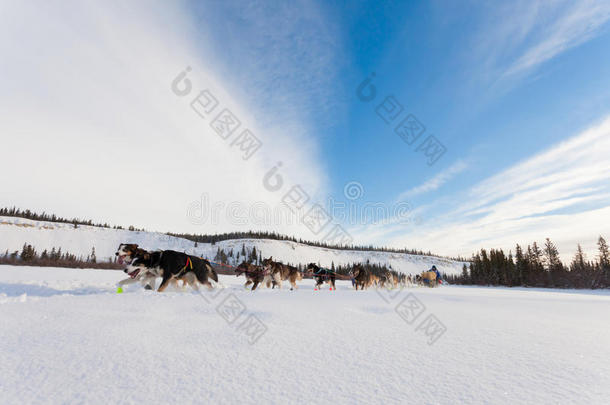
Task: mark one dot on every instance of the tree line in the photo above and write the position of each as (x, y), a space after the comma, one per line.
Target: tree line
(27, 214)
(214, 238)
(29, 256)
(537, 266)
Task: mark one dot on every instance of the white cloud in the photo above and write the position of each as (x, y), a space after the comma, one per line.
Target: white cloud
(577, 23)
(281, 54)
(90, 127)
(562, 193)
(517, 37)
(435, 182)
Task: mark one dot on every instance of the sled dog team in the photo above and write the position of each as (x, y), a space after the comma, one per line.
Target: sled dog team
(172, 267)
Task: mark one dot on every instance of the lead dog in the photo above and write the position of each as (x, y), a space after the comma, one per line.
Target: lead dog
(173, 266)
(127, 251)
(125, 255)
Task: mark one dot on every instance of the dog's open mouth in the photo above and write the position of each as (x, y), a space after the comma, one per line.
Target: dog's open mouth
(124, 260)
(134, 273)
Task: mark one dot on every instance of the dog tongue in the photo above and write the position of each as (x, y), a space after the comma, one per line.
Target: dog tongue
(134, 273)
(120, 260)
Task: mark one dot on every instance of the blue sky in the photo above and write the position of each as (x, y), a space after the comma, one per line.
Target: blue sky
(496, 83)
(517, 93)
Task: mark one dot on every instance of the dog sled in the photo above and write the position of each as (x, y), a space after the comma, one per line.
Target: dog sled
(431, 278)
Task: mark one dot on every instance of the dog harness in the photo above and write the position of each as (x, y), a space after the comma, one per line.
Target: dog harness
(323, 273)
(189, 263)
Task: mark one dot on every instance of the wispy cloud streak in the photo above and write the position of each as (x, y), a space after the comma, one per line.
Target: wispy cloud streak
(577, 23)
(435, 182)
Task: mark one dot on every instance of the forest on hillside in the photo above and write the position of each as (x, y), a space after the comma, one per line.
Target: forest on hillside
(537, 266)
(213, 238)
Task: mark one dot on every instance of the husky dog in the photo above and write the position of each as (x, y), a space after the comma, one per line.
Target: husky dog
(373, 281)
(361, 277)
(280, 272)
(392, 280)
(254, 274)
(322, 275)
(402, 281)
(125, 254)
(173, 266)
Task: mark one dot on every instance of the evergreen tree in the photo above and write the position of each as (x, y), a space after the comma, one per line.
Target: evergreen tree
(536, 270)
(604, 263)
(551, 255)
(511, 278)
(553, 264)
(465, 276)
(604, 256)
(253, 255)
(578, 263)
(579, 269)
(28, 253)
(521, 267)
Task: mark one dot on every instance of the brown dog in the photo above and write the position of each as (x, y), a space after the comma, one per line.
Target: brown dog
(254, 274)
(280, 272)
(362, 278)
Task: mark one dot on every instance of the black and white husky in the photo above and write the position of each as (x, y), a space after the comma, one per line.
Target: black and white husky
(126, 253)
(173, 266)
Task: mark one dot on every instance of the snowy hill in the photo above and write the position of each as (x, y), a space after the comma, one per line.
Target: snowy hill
(14, 232)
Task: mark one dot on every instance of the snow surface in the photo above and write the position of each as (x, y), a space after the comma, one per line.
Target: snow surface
(14, 232)
(68, 337)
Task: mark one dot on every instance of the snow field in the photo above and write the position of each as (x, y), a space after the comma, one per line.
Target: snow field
(68, 337)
